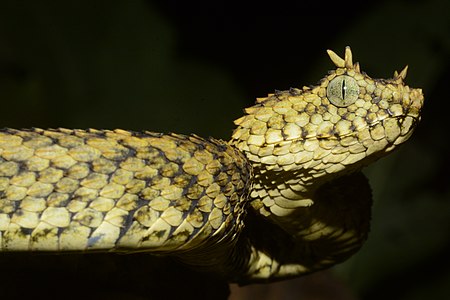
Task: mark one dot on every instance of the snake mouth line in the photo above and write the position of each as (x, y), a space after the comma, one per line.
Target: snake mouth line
(400, 119)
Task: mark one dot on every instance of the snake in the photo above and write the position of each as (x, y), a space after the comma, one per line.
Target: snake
(284, 197)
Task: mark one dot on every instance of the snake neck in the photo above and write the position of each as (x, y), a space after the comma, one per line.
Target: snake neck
(332, 225)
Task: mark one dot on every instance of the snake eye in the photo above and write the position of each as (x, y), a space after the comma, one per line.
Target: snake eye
(342, 91)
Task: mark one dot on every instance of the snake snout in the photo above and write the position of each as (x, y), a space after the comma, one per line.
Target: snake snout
(416, 105)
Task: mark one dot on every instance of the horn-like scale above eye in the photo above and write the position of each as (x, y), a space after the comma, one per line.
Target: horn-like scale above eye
(343, 91)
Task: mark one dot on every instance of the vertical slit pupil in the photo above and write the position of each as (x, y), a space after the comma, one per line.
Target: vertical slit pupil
(343, 89)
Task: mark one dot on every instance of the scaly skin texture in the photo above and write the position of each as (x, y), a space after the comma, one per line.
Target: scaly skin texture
(284, 197)
(75, 190)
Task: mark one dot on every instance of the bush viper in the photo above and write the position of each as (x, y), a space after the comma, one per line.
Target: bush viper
(284, 197)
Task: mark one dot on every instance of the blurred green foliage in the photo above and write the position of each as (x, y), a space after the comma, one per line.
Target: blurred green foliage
(81, 64)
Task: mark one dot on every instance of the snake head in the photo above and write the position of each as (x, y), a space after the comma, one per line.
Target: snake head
(301, 143)
(344, 122)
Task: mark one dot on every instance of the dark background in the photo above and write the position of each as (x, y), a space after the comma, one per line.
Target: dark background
(179, 66)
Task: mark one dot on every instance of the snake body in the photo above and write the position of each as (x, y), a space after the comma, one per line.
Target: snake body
(284, 197)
